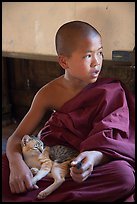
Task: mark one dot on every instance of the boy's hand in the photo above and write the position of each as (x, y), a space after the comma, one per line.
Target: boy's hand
(20, 178)
(82, 165)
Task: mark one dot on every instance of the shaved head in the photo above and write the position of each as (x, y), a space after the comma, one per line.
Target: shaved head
(69, 35)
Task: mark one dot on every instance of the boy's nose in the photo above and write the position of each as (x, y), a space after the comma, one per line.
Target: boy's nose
(95, 62)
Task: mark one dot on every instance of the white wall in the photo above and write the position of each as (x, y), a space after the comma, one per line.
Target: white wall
(29, 28)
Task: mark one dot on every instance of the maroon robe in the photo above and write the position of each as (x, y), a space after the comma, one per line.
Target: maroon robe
(101, 117)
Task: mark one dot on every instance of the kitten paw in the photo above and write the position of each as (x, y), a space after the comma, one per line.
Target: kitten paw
(34, 171)
(35, 187)
(42, 195)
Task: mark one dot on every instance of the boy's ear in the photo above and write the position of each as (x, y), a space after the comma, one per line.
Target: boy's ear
(63, 61)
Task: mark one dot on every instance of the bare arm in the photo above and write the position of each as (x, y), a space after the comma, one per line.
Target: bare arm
(27, 125)
(20, 175)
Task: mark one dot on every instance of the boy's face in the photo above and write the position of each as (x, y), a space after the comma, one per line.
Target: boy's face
(86, 61)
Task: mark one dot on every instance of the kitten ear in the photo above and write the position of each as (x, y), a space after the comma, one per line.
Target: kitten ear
(25, 139)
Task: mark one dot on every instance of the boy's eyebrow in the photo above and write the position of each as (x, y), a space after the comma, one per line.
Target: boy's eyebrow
(93, 51)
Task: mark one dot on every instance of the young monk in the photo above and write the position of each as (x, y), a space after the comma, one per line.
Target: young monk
(92, 115)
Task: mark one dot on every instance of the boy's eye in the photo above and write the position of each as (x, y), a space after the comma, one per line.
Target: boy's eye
(88, 56)
(100, 53)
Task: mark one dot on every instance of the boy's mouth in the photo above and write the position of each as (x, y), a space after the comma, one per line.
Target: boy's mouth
(94, 73)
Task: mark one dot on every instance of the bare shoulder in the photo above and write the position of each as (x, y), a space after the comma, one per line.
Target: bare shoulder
(52, 86)
(49, 94)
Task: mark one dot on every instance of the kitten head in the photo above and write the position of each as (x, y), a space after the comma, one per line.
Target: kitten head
(31, 143)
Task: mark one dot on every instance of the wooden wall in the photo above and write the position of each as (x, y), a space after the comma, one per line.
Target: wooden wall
(22, 78)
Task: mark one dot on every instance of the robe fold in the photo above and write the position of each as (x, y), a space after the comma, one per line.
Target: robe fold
(100, 117)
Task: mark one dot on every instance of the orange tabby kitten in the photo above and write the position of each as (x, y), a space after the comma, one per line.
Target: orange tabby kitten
(52, 161)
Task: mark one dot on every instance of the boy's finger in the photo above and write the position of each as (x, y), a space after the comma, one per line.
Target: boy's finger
(77, 164)
(78, 159)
